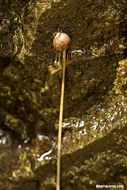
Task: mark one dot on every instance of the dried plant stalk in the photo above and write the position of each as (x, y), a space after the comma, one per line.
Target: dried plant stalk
(60, 124)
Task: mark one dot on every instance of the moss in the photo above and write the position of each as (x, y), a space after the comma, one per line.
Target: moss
(95, 90)
(23, 169)
(120, 83)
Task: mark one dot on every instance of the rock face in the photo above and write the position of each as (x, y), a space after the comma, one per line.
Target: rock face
(95, 93)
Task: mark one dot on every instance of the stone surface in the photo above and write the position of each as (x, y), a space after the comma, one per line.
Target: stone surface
(94, 139)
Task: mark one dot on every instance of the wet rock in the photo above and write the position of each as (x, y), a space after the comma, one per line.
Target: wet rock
(6, 40)
(11, 73)
(95, 92)
(81, 170)
(4, 26)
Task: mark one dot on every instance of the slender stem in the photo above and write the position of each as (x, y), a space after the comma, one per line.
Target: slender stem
(59, 57)
(60, 124)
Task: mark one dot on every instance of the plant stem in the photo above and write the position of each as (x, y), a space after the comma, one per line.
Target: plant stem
(60, 124)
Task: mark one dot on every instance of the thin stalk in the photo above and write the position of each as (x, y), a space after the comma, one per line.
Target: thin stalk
(60, 124)
(59, 57)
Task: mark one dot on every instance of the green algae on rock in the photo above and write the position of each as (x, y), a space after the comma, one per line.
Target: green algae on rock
(95, 92)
